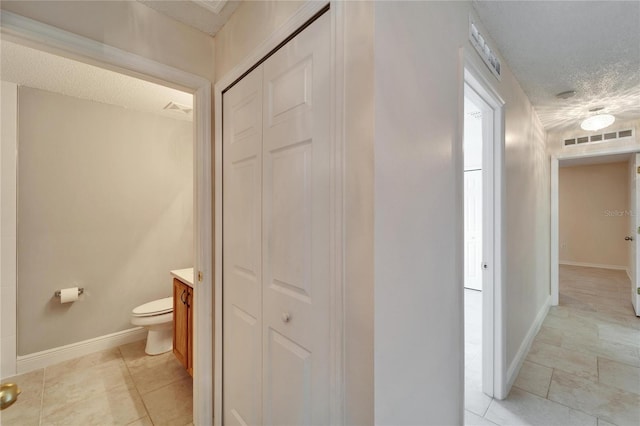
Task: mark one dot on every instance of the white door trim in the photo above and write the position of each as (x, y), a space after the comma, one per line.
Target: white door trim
(302, 16)
(494, 345)
(54, 40)
(555, 226)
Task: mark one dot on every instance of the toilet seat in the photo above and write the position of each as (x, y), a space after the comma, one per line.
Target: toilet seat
(156, 307)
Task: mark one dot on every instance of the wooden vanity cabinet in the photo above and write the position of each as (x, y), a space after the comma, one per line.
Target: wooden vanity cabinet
(183, 324)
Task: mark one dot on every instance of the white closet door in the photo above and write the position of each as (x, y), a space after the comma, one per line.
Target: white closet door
(473, 229)
(296, 229)
(242, 245)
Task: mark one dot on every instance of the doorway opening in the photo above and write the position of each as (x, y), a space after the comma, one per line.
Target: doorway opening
(42, 37)
(477, 117)
(598, 193)
(483, 153)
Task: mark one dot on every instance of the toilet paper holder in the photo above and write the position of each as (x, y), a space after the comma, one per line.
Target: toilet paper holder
(58, 292)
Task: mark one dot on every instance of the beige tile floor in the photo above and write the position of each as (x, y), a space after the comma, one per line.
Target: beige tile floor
(583, 369)
(584, 365)
(121, 386)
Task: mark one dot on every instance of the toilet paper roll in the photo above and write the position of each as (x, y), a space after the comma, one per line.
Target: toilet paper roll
(68, 295)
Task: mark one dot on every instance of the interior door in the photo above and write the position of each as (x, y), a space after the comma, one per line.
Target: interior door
(635, 233)
(473, 229)
(242, 248)
(277, 169)
(296, 229)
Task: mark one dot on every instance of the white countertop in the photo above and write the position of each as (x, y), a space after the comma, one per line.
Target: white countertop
(184, 275)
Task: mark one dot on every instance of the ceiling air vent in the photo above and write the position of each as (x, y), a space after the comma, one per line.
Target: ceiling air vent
(178, 107)
(603, 137)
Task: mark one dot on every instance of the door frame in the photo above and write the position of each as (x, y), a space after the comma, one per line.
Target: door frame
(493, 301)
(304, 14)
(51, 39)
(555, 200)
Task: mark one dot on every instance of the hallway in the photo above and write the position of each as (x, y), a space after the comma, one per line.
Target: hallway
(584, 365)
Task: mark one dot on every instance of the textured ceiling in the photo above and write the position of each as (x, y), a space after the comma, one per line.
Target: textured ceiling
(199, 14)
(34, 68)
(591, 47)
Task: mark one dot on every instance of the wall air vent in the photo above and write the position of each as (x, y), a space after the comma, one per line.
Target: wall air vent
(487, 54)
(603, 137)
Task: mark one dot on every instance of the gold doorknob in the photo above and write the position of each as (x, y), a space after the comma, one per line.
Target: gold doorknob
(8, 394)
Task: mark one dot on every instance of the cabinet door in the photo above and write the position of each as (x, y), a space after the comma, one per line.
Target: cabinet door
(190, 333)
(180, 322)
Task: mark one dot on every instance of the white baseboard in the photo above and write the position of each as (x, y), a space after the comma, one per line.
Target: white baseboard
(49, 357)
(593, 265)
(516, 364)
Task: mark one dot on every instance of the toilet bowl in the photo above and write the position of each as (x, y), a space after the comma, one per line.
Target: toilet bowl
(157, 317)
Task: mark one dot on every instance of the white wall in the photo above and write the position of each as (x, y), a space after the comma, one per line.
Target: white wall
(359, 213)
(418, 258)
(418, 211)
(127, 25)
(105, 202)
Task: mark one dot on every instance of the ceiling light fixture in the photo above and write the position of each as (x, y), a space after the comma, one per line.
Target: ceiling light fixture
(597, 122)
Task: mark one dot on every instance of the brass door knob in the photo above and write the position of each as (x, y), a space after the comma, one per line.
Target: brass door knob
(8, 395)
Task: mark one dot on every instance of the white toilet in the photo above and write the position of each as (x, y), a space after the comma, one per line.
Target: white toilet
(157, 317)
